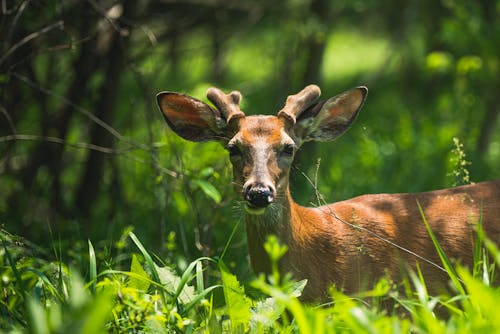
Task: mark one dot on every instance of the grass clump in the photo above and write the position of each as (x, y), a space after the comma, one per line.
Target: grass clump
(41, 296)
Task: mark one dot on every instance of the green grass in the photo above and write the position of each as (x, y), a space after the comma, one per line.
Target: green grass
(39, 296)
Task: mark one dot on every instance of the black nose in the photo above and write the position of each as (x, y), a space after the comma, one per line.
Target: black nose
(259, 196)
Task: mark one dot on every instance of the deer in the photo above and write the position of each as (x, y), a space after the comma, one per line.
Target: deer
(352, 243)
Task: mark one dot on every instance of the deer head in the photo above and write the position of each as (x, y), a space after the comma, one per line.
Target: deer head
(261, 148)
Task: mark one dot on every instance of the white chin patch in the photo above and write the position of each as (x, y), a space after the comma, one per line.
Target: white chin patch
(254, 211)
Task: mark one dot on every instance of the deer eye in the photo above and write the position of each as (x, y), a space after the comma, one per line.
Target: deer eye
(288, 150)
(234, 150)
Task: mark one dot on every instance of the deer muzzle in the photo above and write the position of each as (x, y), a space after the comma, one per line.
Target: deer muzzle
(258, 197)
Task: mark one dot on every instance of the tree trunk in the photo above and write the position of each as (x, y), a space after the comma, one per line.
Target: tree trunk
(93, 170)
(315, 45)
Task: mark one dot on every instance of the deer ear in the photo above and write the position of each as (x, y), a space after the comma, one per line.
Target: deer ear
(327, 120)
(190, 118)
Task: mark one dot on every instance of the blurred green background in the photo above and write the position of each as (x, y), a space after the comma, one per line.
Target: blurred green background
(85, 153)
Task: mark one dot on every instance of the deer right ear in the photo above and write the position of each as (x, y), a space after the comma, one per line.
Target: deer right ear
(190, 118)
(329, 119)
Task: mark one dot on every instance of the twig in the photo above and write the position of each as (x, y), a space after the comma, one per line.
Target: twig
(80, 145)
(319, 197)
(85, 112)
(26, 39)
(56, 140)
(9, 119)
(13, 24)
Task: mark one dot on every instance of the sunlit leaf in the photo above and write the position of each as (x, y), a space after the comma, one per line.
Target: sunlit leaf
(237, 303)
(136, 281)
(209, 190)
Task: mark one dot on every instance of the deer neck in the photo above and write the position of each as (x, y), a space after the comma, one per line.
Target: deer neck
(274, 221)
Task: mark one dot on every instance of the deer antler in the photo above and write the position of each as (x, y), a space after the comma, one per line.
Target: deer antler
(296, 104)
(228, 104)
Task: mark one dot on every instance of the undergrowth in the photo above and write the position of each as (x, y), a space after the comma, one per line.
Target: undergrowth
(39, 296)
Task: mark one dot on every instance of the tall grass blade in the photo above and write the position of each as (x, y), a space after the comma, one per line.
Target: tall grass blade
(231, 236)
(200, 286)
(17, 274)
(149, 260)
(200, 296)
(47, 283)
(442, 255)
(187, 275)
(92, 267)
(150, 265)
(478, 246)
(492, 251)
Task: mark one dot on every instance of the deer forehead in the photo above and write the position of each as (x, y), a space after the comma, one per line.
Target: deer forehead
(262, 130)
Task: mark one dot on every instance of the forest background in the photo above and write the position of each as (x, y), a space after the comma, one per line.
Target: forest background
(85, 154)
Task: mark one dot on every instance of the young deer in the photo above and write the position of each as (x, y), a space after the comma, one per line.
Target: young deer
(350, 243)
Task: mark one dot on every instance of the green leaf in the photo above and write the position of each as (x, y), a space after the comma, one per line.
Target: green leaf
(154, 326)
(175, 285)
(265, 314)
(209, 190)
(206, 172)
(149, 263)
(136, 281)
(237, 303)
(297, 288)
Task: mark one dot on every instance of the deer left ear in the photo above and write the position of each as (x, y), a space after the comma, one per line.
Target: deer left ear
(190, 118)
(329, 119)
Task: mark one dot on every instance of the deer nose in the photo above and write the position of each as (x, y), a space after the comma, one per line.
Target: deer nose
(259, 195)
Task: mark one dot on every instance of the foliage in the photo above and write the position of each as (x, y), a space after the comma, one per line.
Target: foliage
(42, 297)
(460, 171)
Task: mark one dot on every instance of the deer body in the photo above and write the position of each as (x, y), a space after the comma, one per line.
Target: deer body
(350, 243)
(331, 244)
